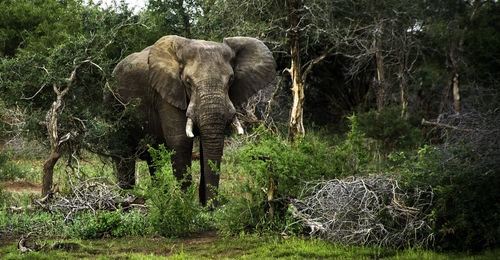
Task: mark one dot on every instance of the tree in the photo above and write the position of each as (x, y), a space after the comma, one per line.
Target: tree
(458, 29)
(75, 70)
(34, 25)
(173, 16)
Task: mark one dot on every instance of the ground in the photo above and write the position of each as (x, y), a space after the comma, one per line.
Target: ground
(209, 245)
(21, 186)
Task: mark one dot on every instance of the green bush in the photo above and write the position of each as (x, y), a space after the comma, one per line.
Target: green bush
(174, 212)
(388, 126)
(83, 225)
(467, 198)
(4, 197)
(273, 171)
(96, 226)
(355, 154)
(8, 169)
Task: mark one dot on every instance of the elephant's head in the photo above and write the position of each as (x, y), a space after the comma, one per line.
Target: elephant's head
(207, 79)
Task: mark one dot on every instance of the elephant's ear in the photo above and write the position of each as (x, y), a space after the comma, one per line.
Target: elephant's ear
(165, 69)
(254, 67)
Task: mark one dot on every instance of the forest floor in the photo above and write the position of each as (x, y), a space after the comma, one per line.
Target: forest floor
(209, 245)
(21, 186)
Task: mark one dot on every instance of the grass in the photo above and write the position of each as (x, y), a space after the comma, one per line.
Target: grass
(210, 246)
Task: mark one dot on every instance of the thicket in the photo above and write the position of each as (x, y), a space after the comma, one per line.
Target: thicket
(464, 171)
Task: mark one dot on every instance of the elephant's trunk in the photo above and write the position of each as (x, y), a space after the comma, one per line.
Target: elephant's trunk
(211, 148)
(215, 113)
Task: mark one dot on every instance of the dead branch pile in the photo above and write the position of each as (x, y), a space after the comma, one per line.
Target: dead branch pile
(89, 195)
(366, 211)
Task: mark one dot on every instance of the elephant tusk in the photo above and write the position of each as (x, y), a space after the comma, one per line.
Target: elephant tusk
(236, 123)
(189, 128)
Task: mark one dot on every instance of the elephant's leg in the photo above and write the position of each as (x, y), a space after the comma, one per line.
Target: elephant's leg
(181, 159)
(173, 126)
(125, 170)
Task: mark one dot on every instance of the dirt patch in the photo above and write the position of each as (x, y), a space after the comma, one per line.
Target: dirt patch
(20, 186)
(201, 238)
(6, 240)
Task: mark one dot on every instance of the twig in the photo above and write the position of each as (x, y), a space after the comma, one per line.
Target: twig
(429, 123)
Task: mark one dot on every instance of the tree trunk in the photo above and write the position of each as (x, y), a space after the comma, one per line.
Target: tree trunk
(456, 95)
(452, 71)
(381, 84)
(55, 141)
(48, 172)
(403, 84)
(296, 125)
(455, 56)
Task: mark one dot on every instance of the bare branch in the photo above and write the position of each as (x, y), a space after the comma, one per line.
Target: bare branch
(366, 211)
(441, 125)
(308, 66)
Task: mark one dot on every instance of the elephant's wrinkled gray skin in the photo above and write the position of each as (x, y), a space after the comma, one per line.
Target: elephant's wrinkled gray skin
(189, 87)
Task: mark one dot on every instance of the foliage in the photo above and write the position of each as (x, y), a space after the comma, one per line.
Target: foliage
(353, 154)
(273, 172)
(270, 157)
(83, 225)
(174, 212)
(95, 227)
(9, 169)
(110, 224)
(35, 25)
(466, 207)
(95, 43)
(389, 127)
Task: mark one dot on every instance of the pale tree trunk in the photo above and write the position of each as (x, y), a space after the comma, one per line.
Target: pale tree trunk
(455, 56)
(403, 84)
(450, 80)
(296, 125)
(55, 142)
(456, 95)
(381, 84)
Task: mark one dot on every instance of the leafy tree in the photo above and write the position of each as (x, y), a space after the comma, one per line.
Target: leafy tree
(173, 16)
(36, 25)
(61, 87)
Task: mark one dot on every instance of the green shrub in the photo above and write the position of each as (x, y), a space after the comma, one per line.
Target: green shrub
(174, 212)
(8, 169)
(4, 197)
(83, 225)
(390, 128)
(102, 223)
(272, 172)
(467, 197)
(354, 154)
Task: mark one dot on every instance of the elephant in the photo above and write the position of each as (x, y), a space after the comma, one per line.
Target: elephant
(186, 88)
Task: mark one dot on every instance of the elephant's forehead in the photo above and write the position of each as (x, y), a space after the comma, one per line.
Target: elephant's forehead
(199, 49)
